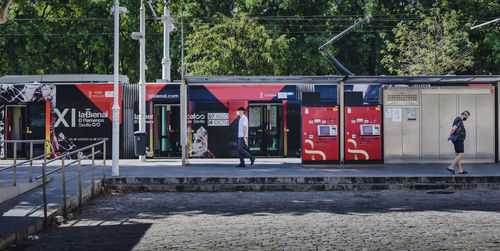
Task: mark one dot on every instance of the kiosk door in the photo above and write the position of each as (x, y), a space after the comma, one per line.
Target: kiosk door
(166, 131)
(265, 135)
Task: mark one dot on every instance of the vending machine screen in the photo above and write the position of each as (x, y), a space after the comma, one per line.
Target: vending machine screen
(327, 130)
(324, 130)
(370, 130)
(367, 130)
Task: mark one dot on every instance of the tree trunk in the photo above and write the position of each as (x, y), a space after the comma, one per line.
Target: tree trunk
(4, 11)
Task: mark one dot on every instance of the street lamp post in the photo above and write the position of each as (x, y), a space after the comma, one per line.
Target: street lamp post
(167, 28)
(117, 10)
(142, 73)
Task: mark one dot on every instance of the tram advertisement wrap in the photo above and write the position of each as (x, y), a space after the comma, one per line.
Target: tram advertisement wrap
(22, 94)
(83, 115)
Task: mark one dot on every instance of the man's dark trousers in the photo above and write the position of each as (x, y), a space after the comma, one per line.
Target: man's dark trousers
(242, 152)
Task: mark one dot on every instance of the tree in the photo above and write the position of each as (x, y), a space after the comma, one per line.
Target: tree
(4, 11)
(436, 45)
(234, 46)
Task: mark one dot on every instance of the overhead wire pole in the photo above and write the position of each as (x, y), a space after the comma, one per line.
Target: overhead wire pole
(183, 100)
(142, 73)
(168, 27)
(117, 10)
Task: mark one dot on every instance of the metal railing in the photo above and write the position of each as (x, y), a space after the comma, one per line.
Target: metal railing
(80, 156)
(31, 158)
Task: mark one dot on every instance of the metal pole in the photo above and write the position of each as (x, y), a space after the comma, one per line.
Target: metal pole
(183, 118)
(167, 28)
(31, 161)
(483, 24)
(341, 122)
(93, 178)
(183, 67)
(79, 180)
(116, 107)
(183, 99)
(65, 212)
(142, 72)
(341, 34)
(15, 160)
(104, 161)
(44, 184)
(342, 67)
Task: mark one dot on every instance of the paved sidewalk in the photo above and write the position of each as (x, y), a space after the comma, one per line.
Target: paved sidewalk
(26, 211)
(263, 167)
(290, 167)
(21, 212)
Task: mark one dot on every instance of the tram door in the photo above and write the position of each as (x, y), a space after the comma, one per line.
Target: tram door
(167, 131)
(24, 123)
(265, 134)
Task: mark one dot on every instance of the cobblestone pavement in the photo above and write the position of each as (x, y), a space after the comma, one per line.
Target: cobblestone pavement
(349, 220)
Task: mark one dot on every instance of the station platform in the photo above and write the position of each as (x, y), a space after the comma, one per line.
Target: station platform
(288, 167)
(23, 215)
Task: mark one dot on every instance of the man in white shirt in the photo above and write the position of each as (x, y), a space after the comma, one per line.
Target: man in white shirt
(243, 138)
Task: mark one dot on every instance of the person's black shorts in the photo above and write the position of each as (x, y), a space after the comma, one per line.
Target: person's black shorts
(459, 146)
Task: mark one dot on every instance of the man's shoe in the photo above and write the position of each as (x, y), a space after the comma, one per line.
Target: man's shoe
(240, 165)
(252, 160)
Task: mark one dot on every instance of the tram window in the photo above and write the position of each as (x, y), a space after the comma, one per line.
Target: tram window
(254, 117)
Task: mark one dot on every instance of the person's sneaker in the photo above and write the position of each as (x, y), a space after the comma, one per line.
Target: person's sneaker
(240, 165)
(252, 160)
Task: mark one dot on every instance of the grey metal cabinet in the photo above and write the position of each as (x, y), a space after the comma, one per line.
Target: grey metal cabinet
(424, 118)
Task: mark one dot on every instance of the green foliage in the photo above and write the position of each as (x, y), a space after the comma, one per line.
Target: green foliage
(434, 45)
(235, 46)
(76, 36)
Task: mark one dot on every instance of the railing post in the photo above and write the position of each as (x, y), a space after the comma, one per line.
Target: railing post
(93, 179)
(79, 181)
(15, 160)
(104, 161)
(31, 161)
(65, 212)
(44, 184)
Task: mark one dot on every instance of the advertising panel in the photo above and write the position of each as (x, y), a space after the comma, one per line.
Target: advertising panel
(29, 95)
(82, 116)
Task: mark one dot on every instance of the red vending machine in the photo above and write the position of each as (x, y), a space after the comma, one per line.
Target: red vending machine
(320, 142)
(363, 134)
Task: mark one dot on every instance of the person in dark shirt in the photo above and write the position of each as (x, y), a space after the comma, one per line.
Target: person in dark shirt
(457, 137)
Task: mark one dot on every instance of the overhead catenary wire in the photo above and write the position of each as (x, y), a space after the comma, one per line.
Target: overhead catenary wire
(274, 18)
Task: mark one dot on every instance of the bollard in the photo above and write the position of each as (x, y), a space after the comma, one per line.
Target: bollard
(15, 160)
(31, 161)
(93, 179)
(79, 181)
(65, 212)
(44, 182)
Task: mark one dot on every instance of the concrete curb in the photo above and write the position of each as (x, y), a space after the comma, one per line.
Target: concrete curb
(37, 224)
(228, 184)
